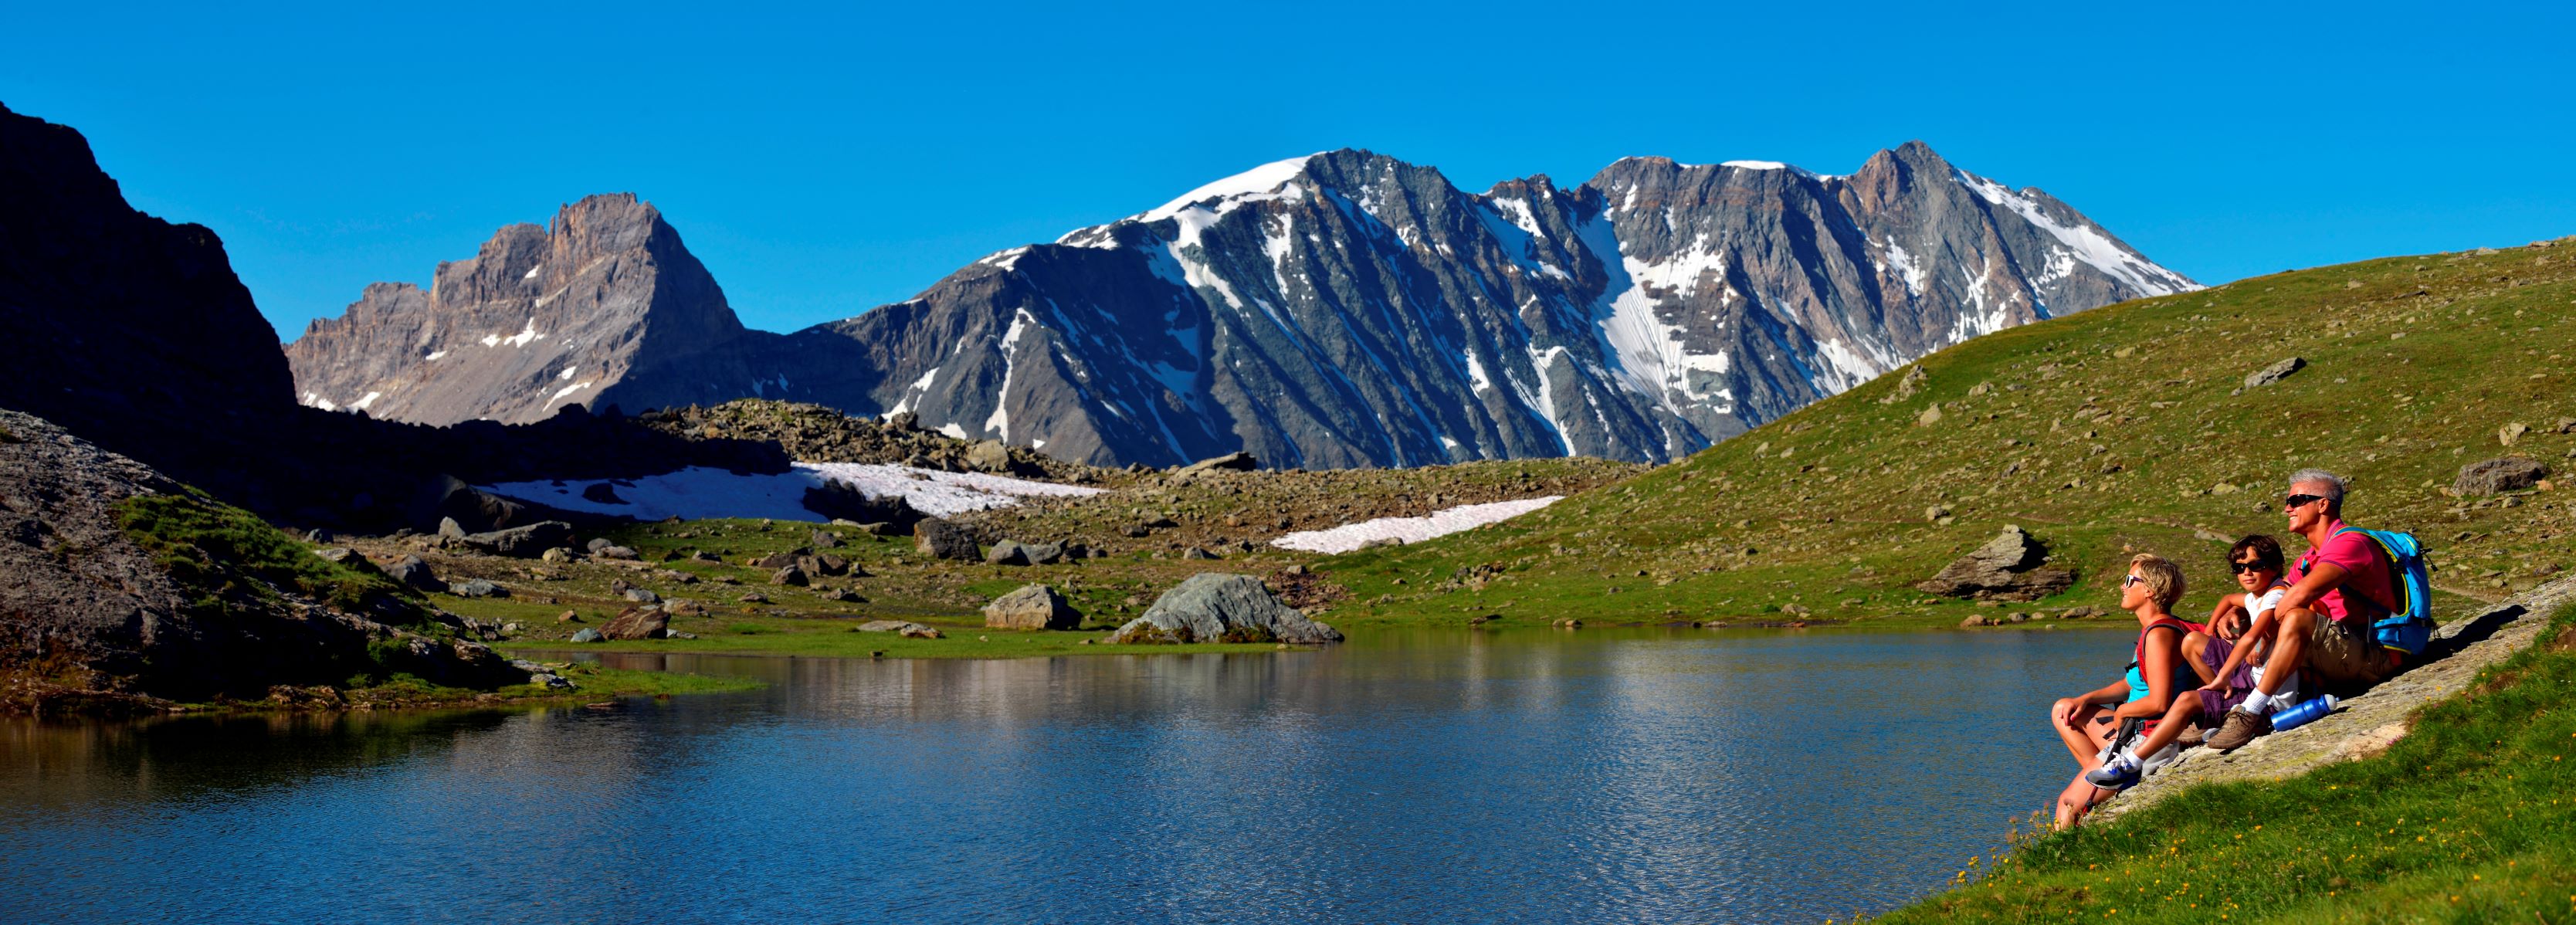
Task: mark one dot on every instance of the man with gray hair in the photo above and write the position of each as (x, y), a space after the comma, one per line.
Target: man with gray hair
(2337, 590)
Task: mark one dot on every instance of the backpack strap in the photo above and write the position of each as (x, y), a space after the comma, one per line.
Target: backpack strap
(2395, 580)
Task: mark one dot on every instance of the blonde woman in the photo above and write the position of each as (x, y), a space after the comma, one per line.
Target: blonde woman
(2090, 723)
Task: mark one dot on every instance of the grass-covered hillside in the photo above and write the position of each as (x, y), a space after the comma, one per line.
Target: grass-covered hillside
(2127, 427)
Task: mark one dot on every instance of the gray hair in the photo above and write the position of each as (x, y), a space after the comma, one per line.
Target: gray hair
(2330, 485)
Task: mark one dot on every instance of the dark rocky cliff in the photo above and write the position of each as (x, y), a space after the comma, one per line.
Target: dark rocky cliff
(124, 328)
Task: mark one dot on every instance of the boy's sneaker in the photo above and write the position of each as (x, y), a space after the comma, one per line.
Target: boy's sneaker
(2239, 728)
(2116, 774)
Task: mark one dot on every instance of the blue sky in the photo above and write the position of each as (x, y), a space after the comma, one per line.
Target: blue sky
(824, 160)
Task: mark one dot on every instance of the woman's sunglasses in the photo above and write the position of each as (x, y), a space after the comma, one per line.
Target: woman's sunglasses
(2132, 580)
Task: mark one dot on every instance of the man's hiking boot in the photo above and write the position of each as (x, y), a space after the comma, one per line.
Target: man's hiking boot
(2241, 727)
(2119, 773)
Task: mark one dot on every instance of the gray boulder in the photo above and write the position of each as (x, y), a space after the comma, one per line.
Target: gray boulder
(1236, 461)
(897, 627)
(989, 456)
(637, 623)
(793, 576)
(643, 596)
(2275, 372)
(1012, 552)
(1215, 607)
(586, 634)
(476, 587)
(415, 574)
(1032, 607)
(2010, 567)
(940, 539)
(526, 542)
(2511, 473)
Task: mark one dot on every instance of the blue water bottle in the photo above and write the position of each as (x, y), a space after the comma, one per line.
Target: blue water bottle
(2302, 714)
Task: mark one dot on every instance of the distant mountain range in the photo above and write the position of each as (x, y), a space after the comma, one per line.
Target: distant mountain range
(1341, 309)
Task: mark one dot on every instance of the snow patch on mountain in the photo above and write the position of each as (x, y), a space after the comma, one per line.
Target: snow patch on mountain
(2086, 242)
(1262, 179)
(700, 492)
(1441, 523)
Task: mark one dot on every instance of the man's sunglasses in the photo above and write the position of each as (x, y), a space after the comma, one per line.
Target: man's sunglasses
(2296, 500)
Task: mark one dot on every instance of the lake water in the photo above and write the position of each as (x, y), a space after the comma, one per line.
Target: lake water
(1418, 776)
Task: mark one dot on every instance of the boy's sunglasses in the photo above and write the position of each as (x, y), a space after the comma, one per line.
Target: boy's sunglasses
(2239, 568)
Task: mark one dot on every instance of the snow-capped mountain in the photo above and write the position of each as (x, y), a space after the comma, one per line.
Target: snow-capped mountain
(1341, 309)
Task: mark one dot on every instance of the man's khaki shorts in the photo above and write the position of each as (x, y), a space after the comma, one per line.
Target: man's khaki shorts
(2342, 654)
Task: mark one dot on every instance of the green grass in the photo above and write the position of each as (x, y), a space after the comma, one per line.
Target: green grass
(2471, 818)
(2101, 433)
(832, 637)
(226, 556)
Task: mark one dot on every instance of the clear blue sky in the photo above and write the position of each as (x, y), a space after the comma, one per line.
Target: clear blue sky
(822, 161)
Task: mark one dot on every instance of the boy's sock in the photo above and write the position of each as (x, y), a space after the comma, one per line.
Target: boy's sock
(2257, 703)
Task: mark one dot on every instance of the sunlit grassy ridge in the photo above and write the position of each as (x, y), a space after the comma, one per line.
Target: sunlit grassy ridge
(2471, 817)
(2126, 427)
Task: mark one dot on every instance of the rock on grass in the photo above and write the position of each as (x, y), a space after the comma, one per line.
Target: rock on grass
(1215, 607)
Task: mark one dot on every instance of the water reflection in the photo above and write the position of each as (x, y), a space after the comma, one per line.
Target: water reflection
(1645, 775)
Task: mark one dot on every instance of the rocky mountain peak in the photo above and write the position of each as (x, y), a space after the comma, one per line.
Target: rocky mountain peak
(567, 313)
(1349, 308)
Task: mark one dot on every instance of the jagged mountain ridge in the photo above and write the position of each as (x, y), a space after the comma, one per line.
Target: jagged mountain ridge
(1350, 309)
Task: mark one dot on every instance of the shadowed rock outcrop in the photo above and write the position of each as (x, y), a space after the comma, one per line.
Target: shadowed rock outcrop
(122, 586)
(2010, 567)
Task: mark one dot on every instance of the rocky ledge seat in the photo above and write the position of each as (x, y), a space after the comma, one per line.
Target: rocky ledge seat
(2368, 723)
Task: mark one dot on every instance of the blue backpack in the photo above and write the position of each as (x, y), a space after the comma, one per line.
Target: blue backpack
(2406, 624)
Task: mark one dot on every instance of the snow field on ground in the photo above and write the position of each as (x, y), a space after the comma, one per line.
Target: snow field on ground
(1351, 536)
(701, 492)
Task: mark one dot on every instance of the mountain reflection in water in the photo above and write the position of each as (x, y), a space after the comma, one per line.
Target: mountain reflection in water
(1421, 775)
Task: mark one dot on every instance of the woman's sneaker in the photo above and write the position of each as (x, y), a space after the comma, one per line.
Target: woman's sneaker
(2239, 728)
(2119, 773)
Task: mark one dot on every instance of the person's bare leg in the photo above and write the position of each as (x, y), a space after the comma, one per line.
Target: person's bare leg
(2289, 647)
(2194, 645)
(2078, 733)
(2071, 804)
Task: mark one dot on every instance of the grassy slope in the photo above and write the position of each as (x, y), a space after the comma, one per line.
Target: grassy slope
(900, 585)
(2100, 432)
(2469, 818)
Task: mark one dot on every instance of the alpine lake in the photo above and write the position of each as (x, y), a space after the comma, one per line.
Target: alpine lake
(1408, 775)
